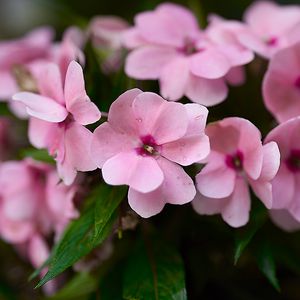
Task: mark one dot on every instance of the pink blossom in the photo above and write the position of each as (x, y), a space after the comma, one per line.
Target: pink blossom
(284, 220)
(17, 57)
(142, 145)
(286, 189)
(106, 33)
(237, 159)
(281, 86)
(169, 45)
(58, 116)
(270, 27)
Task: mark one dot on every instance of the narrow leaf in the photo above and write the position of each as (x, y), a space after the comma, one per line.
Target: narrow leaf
(87, 232)
(154, 271)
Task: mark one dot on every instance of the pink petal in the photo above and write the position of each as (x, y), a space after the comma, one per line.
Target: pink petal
(216, 182)
(236, 76)
(208, 206)
(8, 85)
(121, 116)
(148, 62)
(187, 150)
(169, 24)
(263, 190)
(204, 91)
(41, 107)
(210, 64)
(50, 82)
(197, 115)
(141, 173)
(164, 121)
(77, 102)
(236, 212)
(107, 143)
(283, 219)
(38, 251)
(146, 204)
(173, 78)
(78, 141)
(283, 188)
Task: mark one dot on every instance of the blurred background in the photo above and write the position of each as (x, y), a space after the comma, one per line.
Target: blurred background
(214, 250)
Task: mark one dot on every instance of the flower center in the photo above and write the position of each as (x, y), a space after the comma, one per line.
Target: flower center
(189, 47)
(148, 147)
(272, 41)
(297, 82)
(293, 161)
(235, 161)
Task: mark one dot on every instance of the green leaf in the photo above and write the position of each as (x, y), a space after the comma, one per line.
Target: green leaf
(37, 154)
(87, 232)
(154, 271)
(245, 235)
(78, 288)
(267, 264)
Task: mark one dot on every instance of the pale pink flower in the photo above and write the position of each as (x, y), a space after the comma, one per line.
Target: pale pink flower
(286, 188)
(237, 159)
(284, 220)
(106, 34)
(17, 57)
(142, 145)
(270, 27)
(169, 45)
(281, 86)
(58, 116)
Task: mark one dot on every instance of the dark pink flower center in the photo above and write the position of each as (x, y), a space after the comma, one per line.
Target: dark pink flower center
(67, 121)
(297, 82)
(272, 41)
(148, 147)
(189, 47)
(293, 161)
(235, 161)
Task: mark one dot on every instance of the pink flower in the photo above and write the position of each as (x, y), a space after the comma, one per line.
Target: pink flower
(281, 86)
(106, 33)
(284, 220)
(142, 145)
(58, 117)
(169, 46)
(270, 27)
(17, 57)
(286, 189)
(237, 159)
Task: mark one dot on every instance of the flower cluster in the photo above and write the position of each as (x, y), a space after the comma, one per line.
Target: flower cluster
(148, 141)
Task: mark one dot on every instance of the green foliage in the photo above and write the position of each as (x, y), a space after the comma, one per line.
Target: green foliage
(37, 154)
(154, 271)
(87, 232)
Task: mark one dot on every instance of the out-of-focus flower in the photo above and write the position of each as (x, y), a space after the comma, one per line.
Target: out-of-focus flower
(281, 86)
(284, 220)
(286, 188)
(168, 45)
(237, 159)
(106, 34)
(17, 58)
(58, 116)
(142, 144)
(270, 27)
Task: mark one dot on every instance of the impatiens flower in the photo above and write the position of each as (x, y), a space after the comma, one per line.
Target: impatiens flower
(106, 34)
(270, 27)
(17, 58)
(143, 144)
(168, 45)
(284, 220)
(281, 86)
(237, 159)
(286, 188)
(58, 116)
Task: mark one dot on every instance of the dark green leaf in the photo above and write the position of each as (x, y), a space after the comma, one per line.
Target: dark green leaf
(267, 264)
(245, 235)
(87, 232)
(154, 271)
